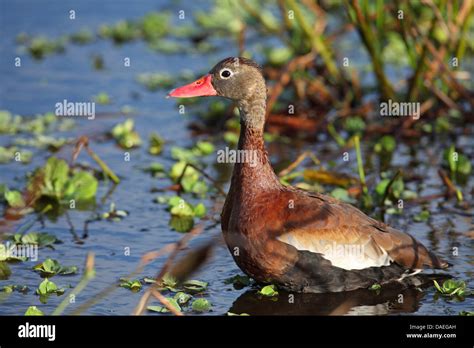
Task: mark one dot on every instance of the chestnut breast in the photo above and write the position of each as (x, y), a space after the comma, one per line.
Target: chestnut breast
(250, 227)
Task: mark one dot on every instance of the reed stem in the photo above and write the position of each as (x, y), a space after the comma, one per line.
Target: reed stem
(360, 164)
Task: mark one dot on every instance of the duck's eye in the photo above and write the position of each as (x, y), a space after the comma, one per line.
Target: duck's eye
(226, 73)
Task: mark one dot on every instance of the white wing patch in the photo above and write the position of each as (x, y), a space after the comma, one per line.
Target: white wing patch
(346, 256)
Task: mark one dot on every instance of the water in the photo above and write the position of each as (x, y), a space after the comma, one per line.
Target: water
(38, 85)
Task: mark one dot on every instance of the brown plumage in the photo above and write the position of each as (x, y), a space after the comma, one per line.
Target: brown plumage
(298, 240)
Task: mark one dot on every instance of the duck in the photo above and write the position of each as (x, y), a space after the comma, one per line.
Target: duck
(297, 240)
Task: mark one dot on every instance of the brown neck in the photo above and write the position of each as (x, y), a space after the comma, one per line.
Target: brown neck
(256, 170)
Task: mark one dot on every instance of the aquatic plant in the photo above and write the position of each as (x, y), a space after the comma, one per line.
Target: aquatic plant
(125, 135)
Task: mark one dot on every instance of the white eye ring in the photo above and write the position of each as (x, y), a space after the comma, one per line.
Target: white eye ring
(225, 70)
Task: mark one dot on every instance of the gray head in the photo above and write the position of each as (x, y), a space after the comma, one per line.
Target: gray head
(235, 78)
(238, 78)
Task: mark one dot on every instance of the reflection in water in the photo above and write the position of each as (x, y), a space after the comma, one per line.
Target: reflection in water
(389, 300)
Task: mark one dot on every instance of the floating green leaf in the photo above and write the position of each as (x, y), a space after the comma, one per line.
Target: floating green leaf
(195, 286)
(200, 149)
(453, 288)
(375, 287)
(53, 181)
(200, 210)
(162, 309)
(133, 285)
(183, 213)
(154, 25)
(156, 144)
(182, 297)
(47, 288)
(423, 216)
(14, 199)
(5, 271)
(159, 309)
(122, 31)
(169, 282)
(55, 176)
(8, 253)
(182, 209)
(201, 305)
(81, 187)
(42, 239)
(181, 223)
(269, 290)
(10, 288)
(13, 124)
(125, 135)
(82, 37)
(33, 311)
(157, 170)
(203, 148)
(183, 155)
(50, 267)
(43, 142)
(41, 46)
(188, 177)
(8, 154)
